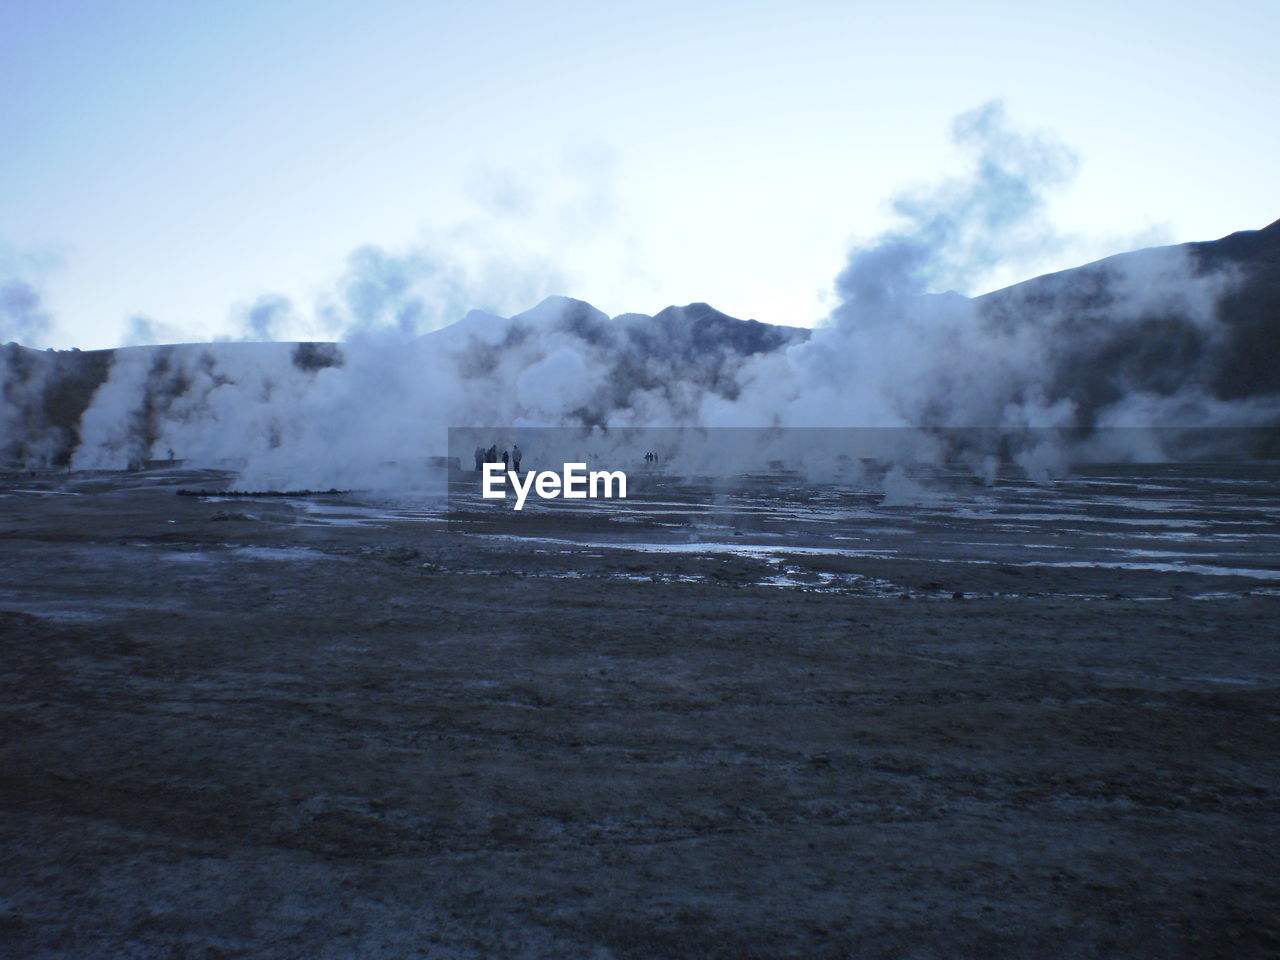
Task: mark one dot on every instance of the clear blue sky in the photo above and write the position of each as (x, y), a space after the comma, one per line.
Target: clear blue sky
(178, 159)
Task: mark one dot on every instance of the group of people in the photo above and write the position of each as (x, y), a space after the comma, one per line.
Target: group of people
(510, 459)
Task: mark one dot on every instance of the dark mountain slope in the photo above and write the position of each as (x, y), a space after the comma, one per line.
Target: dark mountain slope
(1203, 314)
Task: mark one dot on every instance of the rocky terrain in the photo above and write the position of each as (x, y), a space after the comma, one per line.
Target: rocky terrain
(803, 724)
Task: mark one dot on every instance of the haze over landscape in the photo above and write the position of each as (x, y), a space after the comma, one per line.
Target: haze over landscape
(1175, 336)
(1166, 337)
(936, 347)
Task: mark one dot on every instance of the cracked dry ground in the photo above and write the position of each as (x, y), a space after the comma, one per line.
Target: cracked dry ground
(344, 753)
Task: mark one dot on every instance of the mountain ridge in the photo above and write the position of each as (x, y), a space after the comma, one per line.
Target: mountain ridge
(1145, 322)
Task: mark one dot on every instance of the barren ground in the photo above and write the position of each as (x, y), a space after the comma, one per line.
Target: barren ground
(331, 729)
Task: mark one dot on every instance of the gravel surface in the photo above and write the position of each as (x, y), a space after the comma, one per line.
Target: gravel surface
(772, 722)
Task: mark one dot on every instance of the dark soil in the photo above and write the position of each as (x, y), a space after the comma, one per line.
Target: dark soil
(251, 733)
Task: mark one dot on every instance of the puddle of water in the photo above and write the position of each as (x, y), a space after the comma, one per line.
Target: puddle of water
(1257, 573)
(278, 553)
(1233, 680)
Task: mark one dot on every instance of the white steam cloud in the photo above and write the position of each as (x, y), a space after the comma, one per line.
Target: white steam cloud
(1128, 341)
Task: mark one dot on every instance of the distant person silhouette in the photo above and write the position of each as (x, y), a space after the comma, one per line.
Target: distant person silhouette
(515, 457)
